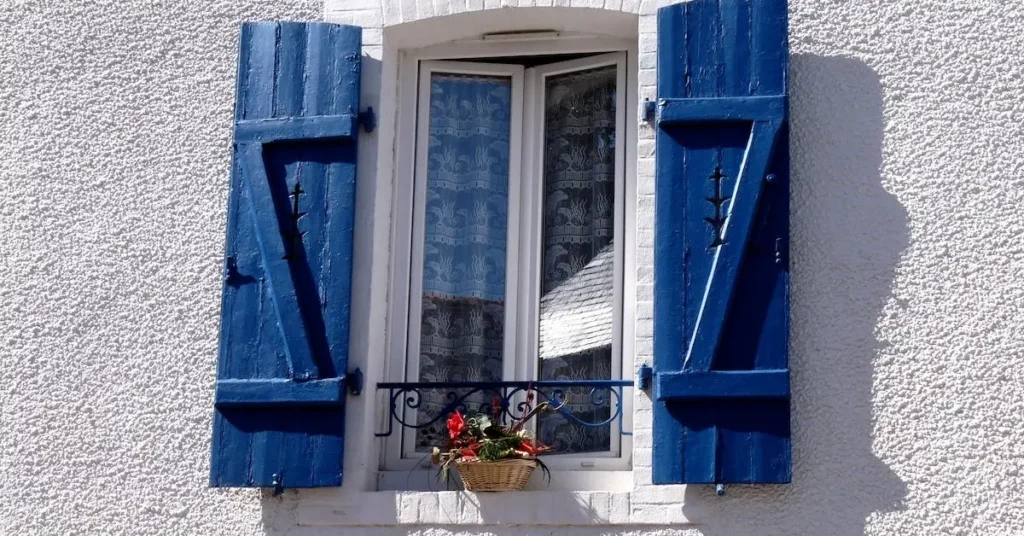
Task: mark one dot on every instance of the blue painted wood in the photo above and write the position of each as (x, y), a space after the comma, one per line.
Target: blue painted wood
(277, 265)
(727, 259)
(721, 109)
(296, 128)
(703, 48)
(279, 417)
(722, 384)
(721, 298)
(280, 391)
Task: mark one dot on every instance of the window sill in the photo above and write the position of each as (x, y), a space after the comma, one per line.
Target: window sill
(337, 507)
(561, 481)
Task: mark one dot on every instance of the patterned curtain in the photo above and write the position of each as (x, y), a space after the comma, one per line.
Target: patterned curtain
(576, 309)
(462, 324)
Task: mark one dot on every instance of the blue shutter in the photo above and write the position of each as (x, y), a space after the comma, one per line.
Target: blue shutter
(721, 281)
(279, 416)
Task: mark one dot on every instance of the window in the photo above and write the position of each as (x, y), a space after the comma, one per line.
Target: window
(509, 247)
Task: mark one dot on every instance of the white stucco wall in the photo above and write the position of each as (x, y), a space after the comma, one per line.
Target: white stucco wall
(907, 256)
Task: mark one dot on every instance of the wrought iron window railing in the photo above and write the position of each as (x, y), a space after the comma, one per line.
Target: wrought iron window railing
(404, 398)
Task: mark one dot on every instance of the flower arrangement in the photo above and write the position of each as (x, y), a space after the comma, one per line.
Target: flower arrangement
(491, 456)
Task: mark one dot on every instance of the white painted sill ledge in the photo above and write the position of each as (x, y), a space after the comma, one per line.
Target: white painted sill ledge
(662, 505)
(561, 480)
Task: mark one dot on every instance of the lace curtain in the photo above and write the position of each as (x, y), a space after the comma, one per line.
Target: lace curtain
(462, 327)
(576, 309)
(462, 323)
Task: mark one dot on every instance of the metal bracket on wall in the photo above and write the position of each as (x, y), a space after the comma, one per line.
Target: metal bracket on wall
(368, 119)
(644, 375)
(647, 109)
(354, 381)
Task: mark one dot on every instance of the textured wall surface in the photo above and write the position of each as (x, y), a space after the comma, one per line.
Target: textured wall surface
(908, 157)
(114, 154)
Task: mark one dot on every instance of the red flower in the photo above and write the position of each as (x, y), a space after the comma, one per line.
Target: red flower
(532, 448)
(467, 453)
(456, 424)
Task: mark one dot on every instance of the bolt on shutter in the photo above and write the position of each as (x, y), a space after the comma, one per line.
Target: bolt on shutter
(721, 283)
(279, 408)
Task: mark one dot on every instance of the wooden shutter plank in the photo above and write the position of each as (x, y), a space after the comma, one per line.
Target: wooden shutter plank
(772, 450)
(255, 95)
(670, 246)
(721, 109)
(701, 452)
(342, 76)
(280, 391)
(670, 249)
(318, 45)
(257, 99)
(244, 294)
(701, 156)
(770, 50)
(296, 128)
(735, 462)
(310, 456)
(735, 19)
(703, 44)
(290, 75)
(230, 462)
(722, 384)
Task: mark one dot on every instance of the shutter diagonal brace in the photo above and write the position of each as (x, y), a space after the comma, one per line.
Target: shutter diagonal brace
(729, 256)
(272, 250)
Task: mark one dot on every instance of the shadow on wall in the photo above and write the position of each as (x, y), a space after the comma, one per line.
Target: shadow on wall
(848, 234)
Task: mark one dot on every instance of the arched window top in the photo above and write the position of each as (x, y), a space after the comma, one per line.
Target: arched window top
(499, 25)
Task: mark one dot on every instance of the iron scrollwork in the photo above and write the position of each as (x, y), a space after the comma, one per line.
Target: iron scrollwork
(404, 398)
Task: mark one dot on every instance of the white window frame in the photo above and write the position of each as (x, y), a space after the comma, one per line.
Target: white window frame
(574, 471)
(533, 193)
(515, 159)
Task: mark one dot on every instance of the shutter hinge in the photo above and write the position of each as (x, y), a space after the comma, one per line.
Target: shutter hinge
(644, 375)
(232, 277)
(647, 111)
(231, 273)
(354, 381)
(368, 119)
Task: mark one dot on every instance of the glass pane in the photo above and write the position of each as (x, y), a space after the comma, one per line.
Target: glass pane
(463, 301)
(577, 290)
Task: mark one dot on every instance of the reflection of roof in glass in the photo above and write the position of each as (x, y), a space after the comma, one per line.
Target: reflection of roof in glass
(577, 315)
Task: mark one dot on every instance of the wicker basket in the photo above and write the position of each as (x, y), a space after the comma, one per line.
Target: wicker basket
(498, 475)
